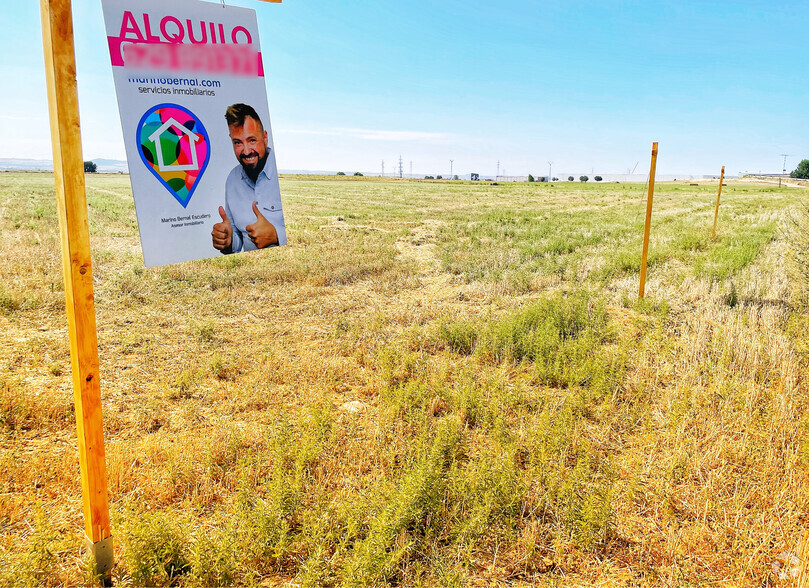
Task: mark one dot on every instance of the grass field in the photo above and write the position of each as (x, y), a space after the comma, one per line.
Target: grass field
(436, 383)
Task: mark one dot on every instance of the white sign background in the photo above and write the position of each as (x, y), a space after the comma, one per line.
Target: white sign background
(162, 23)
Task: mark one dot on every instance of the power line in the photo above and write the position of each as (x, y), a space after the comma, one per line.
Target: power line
(784, 172)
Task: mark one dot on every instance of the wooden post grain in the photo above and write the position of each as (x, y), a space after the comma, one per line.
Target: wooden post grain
(647, 226)
(718, 196)
(71, 204)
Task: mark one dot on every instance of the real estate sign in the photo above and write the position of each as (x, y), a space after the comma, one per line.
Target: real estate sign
(189, 78)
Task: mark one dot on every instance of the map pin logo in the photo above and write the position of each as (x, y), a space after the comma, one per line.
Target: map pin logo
(174, 146)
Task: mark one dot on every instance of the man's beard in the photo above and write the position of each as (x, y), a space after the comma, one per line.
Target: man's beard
(252, 171)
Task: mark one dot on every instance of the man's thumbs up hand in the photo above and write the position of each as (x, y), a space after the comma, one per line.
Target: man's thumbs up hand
(222, 233)
(257, 212)
(262, 233)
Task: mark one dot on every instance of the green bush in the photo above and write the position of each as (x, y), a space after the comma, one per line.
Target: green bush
(413, 507)
(563, 336)
(155, 548)
(8, 303)
(461, 336)
(42, 557)
(570, 481)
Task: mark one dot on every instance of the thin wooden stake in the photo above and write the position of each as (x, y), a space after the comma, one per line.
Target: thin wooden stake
(718, 196)
(71, 204)
(647, 227)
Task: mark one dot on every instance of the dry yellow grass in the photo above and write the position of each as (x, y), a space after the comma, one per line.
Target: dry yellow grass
(278, 412)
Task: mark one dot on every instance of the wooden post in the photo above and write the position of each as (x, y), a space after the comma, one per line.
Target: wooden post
(647, 227)
(71, 204)
(718, 196)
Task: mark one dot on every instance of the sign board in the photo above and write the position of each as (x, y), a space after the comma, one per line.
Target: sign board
(189, 78)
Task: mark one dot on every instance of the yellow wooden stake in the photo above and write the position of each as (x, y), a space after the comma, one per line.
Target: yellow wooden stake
(71, 204)
(647, 227)
(718, 196)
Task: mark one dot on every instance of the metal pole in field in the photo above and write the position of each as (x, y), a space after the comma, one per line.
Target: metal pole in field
(718, 196)
(646, 228)
(783, 171)
(71, 204)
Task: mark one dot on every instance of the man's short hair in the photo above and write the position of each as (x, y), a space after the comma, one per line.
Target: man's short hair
(236, 114)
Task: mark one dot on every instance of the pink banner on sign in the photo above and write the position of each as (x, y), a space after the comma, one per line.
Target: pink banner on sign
(240, 60)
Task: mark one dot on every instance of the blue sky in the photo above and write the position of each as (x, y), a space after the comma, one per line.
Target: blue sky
(587, 85)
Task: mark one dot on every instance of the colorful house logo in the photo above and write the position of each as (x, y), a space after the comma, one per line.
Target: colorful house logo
(174, 146)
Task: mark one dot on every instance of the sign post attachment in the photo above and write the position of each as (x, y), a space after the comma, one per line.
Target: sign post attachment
(71, 204)
(647, 226)
(718, 196)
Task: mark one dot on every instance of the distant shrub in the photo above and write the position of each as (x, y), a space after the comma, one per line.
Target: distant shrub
(583, 178)
(357, 174)
(429, 178)
(341, 173)
(802, 171)
(570, 178)
(562, 336)
(203, 331)
(530, 178)
(8, 303)
(460, 336)
(90, 167)
(598, 178)
(439, 177)
(555, 179)
(732, 297)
